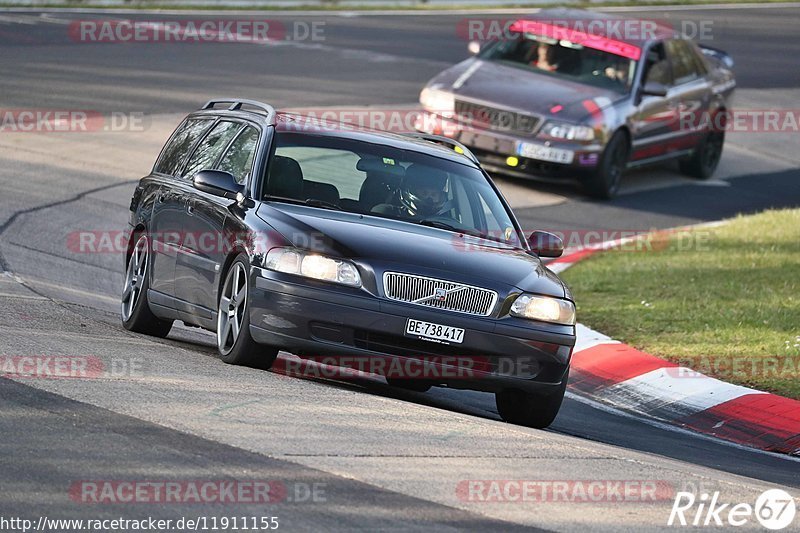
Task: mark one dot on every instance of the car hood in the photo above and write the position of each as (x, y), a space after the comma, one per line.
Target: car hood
(506, 86)
(384, 244)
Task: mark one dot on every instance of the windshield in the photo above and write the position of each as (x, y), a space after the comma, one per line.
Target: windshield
(564, 59)
(330, 172)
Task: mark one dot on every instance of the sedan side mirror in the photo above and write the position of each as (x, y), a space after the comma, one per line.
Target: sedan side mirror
(474, 47)
(546, 244)
(654, 88)
(218, 183)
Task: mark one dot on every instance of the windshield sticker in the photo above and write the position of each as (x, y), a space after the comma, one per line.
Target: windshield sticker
(588, 40)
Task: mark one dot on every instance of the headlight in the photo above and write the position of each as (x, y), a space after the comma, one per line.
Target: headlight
(300, 263)
(572, 132)
(545, 309)
(437, 101)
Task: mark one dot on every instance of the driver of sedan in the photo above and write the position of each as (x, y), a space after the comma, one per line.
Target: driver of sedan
(421, 195)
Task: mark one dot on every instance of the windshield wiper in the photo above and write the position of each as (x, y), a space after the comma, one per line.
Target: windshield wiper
(472, 232)
(311, 202)
(434, 223)
(439, 224)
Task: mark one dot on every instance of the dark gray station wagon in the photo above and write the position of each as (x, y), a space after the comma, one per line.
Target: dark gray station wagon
(281, 233)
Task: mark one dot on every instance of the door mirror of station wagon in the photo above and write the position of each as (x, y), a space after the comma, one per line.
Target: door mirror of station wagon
(546, 244)
(218, 183)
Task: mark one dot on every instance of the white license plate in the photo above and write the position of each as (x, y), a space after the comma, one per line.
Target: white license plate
(434, 332)
(545, 153)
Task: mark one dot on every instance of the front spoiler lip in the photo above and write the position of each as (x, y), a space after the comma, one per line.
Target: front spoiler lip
(479, 381)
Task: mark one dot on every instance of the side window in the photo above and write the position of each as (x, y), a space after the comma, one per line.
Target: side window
(209, 149)
(179, 145)
(699, 59)
(238, 160)
(332, 173)
(684, 65)
(657, 68)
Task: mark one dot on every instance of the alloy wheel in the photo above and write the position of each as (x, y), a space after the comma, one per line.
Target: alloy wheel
(134, 277)
(232, 307)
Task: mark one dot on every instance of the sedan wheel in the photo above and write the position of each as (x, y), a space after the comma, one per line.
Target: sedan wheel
(704, 161)
(234, 342)
(135, 309)
(604, 182)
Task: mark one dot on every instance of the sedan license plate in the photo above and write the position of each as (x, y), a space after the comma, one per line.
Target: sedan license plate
(434, 332)
(545, 153)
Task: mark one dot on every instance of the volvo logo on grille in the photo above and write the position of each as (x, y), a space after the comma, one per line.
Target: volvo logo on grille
(440, 294)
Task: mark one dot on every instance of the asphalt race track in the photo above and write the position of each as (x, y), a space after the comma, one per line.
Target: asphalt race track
(381, 459)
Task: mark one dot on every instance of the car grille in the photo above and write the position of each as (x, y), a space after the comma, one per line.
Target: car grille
(496, 119)
(439, 294)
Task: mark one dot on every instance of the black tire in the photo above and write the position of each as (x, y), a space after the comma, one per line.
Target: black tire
(530, 409)
(234, 342)
(605, 180)
(415, 385)
(703, 162)
(135, 309)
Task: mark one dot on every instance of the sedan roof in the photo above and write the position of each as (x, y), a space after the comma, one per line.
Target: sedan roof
(604, 31)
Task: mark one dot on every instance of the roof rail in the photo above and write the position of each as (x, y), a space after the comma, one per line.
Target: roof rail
(235, 104)
(457, 146)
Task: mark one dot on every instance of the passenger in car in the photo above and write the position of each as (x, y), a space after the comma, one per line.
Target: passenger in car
(545, 57)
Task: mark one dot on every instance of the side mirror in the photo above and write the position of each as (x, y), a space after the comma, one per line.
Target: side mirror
(218, 183)
(474, 47)
(546, 244)
(654, 88)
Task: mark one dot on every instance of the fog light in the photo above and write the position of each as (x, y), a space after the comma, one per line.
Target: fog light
(512, 161)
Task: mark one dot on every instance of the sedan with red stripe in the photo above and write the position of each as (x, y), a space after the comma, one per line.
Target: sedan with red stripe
(586, 96)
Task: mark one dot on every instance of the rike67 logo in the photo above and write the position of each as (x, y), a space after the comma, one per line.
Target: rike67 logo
(774, 509)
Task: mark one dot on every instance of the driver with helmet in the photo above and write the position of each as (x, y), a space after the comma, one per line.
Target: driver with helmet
(421, 195)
